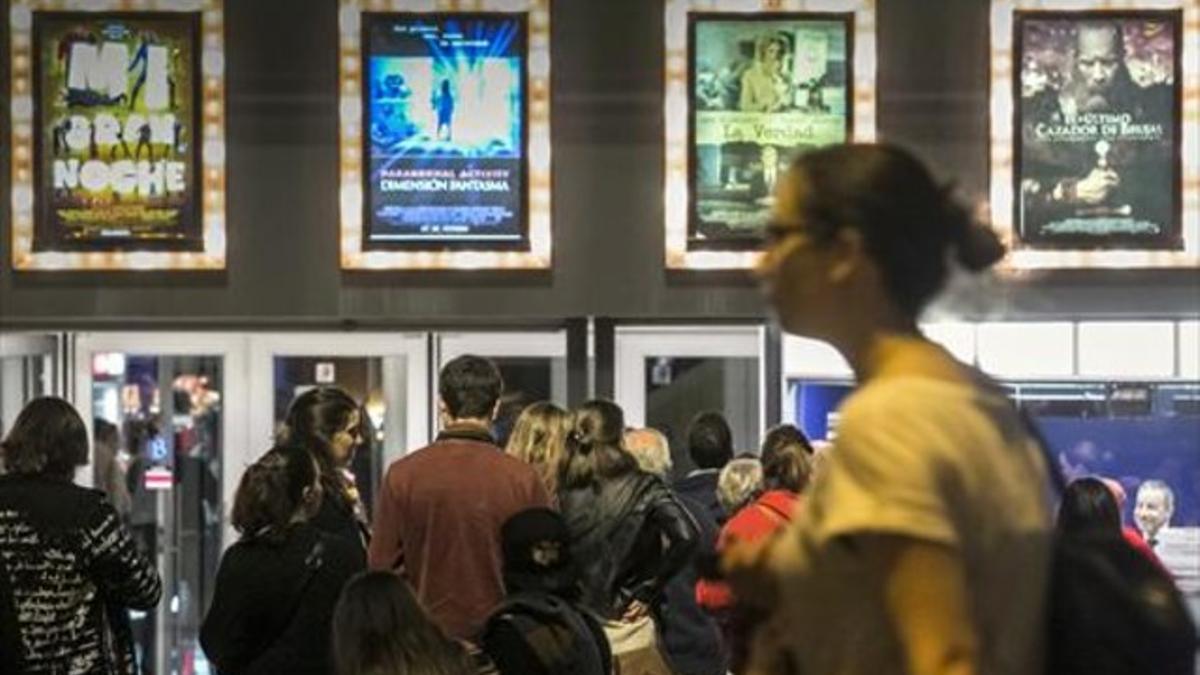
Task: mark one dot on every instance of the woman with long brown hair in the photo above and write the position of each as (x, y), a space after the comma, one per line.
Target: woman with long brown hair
(328, 423)
(277, 585)
(379, 629)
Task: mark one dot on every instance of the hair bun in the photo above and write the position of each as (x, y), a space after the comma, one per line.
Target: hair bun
(976, 246)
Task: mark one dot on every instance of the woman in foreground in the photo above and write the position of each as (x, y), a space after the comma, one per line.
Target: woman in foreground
(924, 545)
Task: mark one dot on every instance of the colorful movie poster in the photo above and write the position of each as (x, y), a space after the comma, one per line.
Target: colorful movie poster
(116, 158)
(763, 89)
(1098, 130)
(445, 142)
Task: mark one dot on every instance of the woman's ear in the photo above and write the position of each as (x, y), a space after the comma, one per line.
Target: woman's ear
(846, 254)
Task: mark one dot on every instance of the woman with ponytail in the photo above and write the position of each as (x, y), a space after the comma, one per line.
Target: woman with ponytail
(277, 586)
(328, 423)
(627, 529)
(924, 545)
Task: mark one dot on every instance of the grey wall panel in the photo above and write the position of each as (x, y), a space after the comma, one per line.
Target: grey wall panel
(281, 72)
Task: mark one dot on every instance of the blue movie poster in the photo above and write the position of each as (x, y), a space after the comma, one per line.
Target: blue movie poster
(445, 130)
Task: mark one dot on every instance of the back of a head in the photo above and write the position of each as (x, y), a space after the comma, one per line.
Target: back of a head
(470, 386)
(1089, 508)
(910, 224)
(272, 492)
(539, 439)
(651, 449)
(781, 435)
(47, 438)
(787, 459)
(378, 628)
(594, 450)
(105, 432)
(709, 440)
(739, 483)
(536, 548)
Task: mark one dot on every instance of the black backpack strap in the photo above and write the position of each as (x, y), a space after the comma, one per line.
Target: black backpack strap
(314, 560)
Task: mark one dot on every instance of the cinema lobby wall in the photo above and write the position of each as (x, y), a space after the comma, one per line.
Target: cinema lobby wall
(607, 154)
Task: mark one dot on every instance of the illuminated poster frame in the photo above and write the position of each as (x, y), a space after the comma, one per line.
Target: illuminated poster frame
(355, 254)
(680, 254)
(210, 112)
(1004, 150)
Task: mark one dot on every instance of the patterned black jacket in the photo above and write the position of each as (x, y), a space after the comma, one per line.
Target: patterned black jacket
(68, 571)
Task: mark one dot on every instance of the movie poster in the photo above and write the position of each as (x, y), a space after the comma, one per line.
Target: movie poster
(1098, 129)
(1156, 461)
(445, 137)
(763, 88)
(116, 113)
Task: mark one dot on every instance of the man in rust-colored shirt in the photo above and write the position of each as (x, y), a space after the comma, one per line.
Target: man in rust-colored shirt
(439, 510)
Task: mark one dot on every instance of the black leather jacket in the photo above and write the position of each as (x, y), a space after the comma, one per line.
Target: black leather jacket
(629, 536)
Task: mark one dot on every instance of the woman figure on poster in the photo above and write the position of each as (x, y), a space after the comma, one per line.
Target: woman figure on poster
(765, 85)
(443, 105)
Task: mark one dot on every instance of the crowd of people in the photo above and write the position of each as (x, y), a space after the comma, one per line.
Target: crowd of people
(919, 542)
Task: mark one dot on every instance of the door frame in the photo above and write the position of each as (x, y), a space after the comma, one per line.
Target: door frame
(633, 344)
(234, 395)
(549, 344)
(411, 393)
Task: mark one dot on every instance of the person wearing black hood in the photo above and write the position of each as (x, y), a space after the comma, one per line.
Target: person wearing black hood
(540, 628)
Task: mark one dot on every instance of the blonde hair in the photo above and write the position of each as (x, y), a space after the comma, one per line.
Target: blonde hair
(739, 483)
(651, 450)
(538, 439)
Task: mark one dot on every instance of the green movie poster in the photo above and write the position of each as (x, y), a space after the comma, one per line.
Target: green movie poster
(117, 157)
(763, 88)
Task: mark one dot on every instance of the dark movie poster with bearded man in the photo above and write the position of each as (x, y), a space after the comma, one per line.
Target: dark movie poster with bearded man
(116, 105)
(1098, 130)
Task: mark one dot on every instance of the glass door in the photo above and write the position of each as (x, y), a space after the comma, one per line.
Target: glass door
(386, 372)
(533, 365)
(664, 376)
(29, 368)
(168, 415)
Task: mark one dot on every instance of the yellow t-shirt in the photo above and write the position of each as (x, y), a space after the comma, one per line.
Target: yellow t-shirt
(935, 461)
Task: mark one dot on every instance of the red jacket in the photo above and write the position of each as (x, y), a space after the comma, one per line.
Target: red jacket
(437, 522)
(1135, 540)
(756, 520)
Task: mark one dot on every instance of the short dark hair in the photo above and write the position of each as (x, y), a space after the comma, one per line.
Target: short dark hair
(786, 459)
(709, 440)
(271, 492)
(48, 437)
(1089, 507)
(470, 386)
(782, 435)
